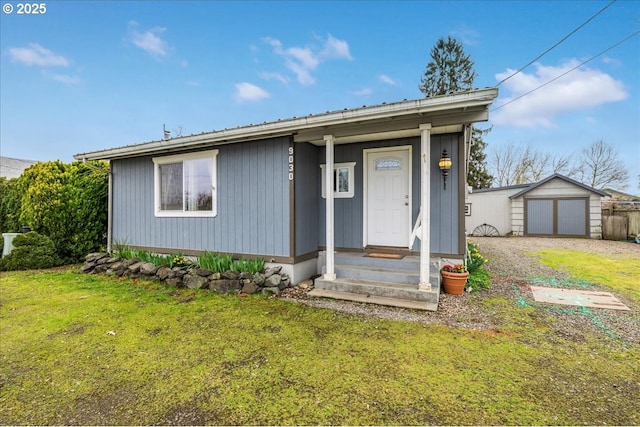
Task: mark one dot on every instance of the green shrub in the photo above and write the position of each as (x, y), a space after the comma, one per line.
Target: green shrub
(68, 203)
(479, 279)
(215, 262)
(10, 205)
(252, 266)
(30, 251)
(475, 260)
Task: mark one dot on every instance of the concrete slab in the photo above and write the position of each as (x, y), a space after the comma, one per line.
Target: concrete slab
(370, 299)
(579, 297)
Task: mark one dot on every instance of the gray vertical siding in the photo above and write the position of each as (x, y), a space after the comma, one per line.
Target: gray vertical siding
(307, 195)
(253, 204)
(444, 203)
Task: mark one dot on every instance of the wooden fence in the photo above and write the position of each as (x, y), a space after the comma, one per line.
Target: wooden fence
(620, 222)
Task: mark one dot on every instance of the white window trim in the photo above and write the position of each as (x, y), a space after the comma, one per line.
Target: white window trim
(157, 161)
(340, 195)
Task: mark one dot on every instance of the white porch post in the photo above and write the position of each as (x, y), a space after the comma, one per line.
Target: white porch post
(330, 273)
(425, 203)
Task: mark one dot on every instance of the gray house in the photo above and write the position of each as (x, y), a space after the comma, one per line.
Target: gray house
(263, 190)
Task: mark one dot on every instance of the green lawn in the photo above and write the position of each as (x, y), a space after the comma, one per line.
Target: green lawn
(619, 272)
(85, 349)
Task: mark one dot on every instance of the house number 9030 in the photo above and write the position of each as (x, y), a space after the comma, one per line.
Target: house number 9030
(290, 163)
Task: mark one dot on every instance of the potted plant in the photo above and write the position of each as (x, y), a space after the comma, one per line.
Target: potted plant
(454, 278)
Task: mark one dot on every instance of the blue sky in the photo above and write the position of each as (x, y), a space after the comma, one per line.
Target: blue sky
(89, 75)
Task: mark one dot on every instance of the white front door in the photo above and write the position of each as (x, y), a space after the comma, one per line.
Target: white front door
(388, 196)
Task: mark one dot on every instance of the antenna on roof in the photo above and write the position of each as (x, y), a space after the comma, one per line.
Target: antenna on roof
(167, 134)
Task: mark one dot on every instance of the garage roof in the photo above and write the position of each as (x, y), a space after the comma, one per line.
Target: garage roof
(562, 177)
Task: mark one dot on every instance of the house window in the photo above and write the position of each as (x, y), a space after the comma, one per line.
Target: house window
(185, 184)
(342, 180)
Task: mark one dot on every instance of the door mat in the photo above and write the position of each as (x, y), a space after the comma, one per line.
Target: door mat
(578, 297)
(389, 256)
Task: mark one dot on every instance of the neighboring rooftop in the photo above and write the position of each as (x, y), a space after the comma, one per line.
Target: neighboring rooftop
(13, 168)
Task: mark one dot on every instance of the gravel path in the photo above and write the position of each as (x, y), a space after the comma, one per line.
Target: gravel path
(513, 270)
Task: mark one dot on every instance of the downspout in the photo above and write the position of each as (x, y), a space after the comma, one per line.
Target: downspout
(109, 200)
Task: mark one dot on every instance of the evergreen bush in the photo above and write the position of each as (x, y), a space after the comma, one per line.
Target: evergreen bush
(30, 251)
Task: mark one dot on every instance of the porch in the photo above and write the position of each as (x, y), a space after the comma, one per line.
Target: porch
(377, 279)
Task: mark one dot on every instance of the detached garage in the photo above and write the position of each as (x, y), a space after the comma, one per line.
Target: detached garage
(557, 206)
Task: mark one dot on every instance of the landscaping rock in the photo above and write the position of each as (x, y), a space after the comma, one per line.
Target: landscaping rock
(271, 291)
(130, 261)
(225, 285)
(269, 282)
(193, 281)
(174, 281)
(204, 272)
(272, 270)
(134, 268)
(88, 267)
(231, 275)
(179, 272)
(95, 256)
(250, 288)
(258, 279)
(148, 269)
(273, 281)
(164, 273)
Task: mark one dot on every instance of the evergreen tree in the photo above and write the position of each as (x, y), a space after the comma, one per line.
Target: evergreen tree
(478, 175)
(449, 71)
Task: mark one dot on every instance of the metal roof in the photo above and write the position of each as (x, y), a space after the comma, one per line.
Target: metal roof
(562, 177)
(393, 120)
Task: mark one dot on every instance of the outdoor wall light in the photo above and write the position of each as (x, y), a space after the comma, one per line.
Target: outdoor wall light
(444, 164)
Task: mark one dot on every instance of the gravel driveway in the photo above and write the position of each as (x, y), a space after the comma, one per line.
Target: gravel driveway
(513, 270)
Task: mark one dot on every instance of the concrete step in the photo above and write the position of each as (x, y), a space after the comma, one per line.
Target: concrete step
(369, 299)
(410, 262)
(380, 289)
(409, 277)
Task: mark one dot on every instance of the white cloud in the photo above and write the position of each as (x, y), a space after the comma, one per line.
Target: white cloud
(363, 92)
(35, 54)
(150, 41)
(275, 76)
(580, 89)
(249, 92)
(303, 61)
(335, 48)
(388, 80)
(63, 78)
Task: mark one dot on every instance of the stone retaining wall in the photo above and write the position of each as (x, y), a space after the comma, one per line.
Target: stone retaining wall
(270, 281)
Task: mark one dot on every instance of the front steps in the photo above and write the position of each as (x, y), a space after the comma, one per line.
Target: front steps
(384, 281)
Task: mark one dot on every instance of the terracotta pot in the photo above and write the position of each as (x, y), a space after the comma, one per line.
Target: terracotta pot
(454, 283)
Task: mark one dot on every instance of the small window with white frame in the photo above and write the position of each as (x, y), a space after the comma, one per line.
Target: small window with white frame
(343, 180)
(185, 185)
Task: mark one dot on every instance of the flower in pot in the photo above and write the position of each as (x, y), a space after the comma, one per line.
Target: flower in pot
(454, 278)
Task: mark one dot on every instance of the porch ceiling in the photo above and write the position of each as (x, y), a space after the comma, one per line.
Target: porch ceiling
(392, 127)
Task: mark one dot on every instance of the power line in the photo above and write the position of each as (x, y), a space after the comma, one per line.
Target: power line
(567, 72)
(555, 45)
